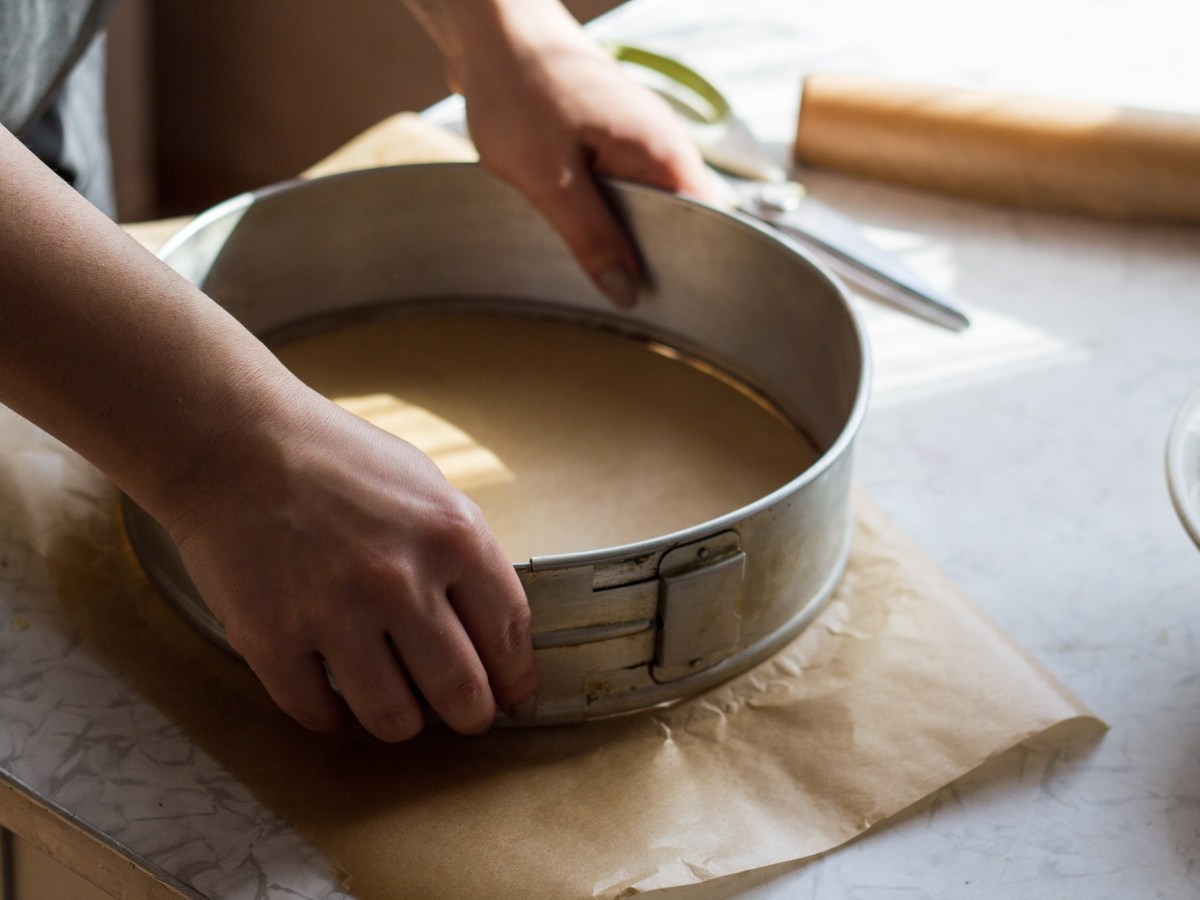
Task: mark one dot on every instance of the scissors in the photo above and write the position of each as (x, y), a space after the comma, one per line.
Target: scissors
(761, 188)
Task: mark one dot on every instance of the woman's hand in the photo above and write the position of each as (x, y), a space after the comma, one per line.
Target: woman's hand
(316, 538)
(548, 110)
(320, 540)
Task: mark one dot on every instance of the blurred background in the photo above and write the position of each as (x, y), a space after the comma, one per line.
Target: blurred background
(210, 99)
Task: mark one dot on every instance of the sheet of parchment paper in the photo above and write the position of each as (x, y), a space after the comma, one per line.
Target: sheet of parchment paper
(899, 688)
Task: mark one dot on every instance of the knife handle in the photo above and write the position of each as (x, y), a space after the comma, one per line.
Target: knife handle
(1014, 150)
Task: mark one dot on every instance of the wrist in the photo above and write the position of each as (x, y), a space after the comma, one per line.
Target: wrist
(234, 435)
(470, 32)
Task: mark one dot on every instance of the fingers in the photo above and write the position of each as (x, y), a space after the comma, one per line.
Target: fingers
(300, 687)
(573, 204)
(465, 656)
(372, 670)
(444, 665)
(663, 157)
(365, 559)
(495, 615)
(375, 687)
(470, 648)
(565, 192)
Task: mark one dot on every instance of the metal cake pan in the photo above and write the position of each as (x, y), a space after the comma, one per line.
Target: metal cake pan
(616, 629)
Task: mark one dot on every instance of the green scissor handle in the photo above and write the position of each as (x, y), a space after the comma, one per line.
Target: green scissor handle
(713, 109)
(723, 139)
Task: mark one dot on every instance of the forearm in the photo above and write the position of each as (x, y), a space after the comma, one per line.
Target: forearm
(108, 349)
(321, 543)
(477, 31)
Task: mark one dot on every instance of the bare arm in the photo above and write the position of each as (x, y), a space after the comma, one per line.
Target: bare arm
(313, 536)
(548, 109)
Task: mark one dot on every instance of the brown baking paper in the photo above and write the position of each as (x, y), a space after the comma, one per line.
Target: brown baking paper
(900, 687)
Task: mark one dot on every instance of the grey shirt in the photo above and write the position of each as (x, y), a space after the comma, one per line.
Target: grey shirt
(51, 87)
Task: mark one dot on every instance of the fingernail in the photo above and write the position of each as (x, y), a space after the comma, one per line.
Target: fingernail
(618, 286)
(525, 712)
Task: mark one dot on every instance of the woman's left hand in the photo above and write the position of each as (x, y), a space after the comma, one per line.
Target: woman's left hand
(548, 110)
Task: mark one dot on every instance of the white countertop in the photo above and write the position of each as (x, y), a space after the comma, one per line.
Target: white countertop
(1024, 456)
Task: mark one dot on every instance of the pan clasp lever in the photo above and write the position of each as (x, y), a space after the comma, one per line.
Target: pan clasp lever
(699, 589)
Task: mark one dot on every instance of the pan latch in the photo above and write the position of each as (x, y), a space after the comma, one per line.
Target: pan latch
(698, 598)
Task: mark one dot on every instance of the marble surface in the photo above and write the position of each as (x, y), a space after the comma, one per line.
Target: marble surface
(1025, 457)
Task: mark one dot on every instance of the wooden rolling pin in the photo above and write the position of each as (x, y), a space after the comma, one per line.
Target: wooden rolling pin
(1014, 150)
